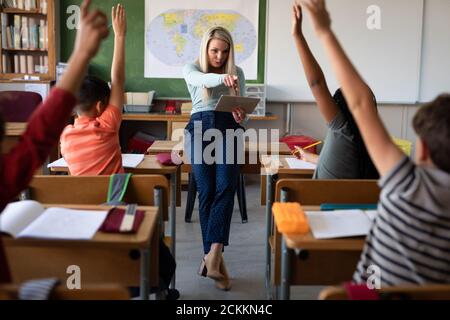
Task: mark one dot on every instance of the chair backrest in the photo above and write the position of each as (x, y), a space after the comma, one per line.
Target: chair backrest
(18, 106)
(94, 190)
(314, 193)
(317, 192)
(426, 292)
(89, 292)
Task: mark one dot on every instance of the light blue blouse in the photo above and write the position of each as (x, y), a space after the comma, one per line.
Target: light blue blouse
(197, 81)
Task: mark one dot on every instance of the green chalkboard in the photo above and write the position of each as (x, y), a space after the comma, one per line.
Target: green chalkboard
(101, 65)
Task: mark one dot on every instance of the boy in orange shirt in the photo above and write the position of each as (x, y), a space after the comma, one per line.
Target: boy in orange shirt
(91, 145)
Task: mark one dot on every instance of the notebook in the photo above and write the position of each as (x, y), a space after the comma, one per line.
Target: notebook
(128, 161)
(340, 223)
(29, 219)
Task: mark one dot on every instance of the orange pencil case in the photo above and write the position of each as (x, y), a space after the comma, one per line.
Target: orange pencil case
(290, 218)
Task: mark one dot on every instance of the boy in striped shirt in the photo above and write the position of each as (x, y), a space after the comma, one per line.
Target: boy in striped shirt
(91, 145)
(409, 242)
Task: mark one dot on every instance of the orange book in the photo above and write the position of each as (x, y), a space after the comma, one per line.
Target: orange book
(290, 218)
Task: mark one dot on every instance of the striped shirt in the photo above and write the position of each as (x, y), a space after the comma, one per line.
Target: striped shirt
(410, 239)
(91, 145)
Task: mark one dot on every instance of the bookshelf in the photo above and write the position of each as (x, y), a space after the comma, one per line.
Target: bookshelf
(27, 48)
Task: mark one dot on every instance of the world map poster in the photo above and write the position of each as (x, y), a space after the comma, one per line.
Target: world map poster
(174, 30)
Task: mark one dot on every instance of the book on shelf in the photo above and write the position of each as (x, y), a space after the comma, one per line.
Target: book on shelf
(27, 5)
(29, 219)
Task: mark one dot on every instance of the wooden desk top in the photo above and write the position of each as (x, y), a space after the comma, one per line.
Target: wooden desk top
(157, 117)
(282, 167)
(15, 129)
(165, 147)
(175, 146)
(308, 242)
(150, 165)
(126, 241)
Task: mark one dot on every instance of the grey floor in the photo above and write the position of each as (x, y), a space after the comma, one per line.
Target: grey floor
(244, 257)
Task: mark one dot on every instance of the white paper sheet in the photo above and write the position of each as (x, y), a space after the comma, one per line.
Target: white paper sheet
(128, 161)
(59, 223)
(339, 224)
(295, 163)
(132, 160)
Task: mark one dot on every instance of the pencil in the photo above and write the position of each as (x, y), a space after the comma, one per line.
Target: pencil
(312, 145)
(306, 148)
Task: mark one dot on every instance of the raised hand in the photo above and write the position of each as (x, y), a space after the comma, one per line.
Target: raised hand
(319, 15)
(119, 20)
(297, 19)
(93, 29)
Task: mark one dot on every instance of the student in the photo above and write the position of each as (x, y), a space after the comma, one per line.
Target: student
(46, 124)
(91, 145)
(344, 155)
(409, 241)
(213, 75)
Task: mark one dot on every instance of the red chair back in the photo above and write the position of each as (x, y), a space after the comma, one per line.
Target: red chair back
(18, 106)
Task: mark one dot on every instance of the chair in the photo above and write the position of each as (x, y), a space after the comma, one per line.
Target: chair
(426, 292)
(192, 194)
(18, 106)
(318, 267)
(89, 292)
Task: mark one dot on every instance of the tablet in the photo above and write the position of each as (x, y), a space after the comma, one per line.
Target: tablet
(228, 103)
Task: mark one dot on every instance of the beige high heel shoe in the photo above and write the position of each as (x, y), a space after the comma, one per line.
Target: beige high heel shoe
(212, 263)
(225, 283)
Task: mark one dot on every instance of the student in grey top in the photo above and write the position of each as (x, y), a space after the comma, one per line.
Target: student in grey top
(409, 242)
(343, 155)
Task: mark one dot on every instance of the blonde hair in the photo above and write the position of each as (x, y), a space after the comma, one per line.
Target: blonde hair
(229, 67)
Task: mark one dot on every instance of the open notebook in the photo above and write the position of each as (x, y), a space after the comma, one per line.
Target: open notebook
(29, 219)
(128, 161)
(340, 223)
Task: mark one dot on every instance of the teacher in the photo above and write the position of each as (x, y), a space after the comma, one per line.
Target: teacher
(216, 172)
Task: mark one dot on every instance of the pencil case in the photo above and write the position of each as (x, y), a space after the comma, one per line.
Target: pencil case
(290, 218)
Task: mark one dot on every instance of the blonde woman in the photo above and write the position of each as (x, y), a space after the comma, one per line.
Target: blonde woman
(213, 75)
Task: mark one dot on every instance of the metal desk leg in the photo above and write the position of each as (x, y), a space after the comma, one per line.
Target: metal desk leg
(285, 259)
(172, 217)
(285, 270)
(268, 233)
(145, 274)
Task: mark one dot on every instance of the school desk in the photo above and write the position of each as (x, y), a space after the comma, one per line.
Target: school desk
(270, 173)
(151, 165)
(253, 151)
(126, 259)
(303, 268)
(176, 121)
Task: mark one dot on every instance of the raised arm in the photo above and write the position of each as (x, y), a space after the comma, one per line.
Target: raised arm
(313, 72)
(48, 121)
(119, 21)
(382, 150)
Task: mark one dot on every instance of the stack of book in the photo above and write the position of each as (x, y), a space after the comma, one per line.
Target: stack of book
(186, 108)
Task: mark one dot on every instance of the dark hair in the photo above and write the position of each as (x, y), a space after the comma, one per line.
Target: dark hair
(93, 90)
(432, 125)
(367, 169)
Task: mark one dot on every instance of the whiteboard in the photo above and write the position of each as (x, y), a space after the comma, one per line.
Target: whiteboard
(388, 59)
(436, 50)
